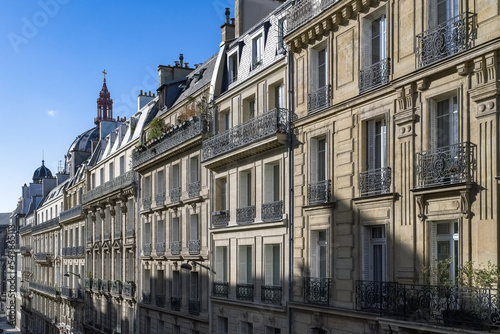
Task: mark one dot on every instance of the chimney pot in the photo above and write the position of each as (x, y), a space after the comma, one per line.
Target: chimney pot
(141, 91)
(228, 13)
(181, 58)
(176, 63)
(186, 65)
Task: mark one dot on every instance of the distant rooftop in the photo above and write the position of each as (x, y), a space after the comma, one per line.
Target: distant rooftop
(4, 218)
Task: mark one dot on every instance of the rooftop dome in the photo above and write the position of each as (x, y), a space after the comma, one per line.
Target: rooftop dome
(41, 172)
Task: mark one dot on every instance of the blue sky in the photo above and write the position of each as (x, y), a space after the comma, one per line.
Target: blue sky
(52, 53)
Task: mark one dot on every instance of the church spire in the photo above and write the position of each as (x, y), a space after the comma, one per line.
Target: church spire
(104, 104)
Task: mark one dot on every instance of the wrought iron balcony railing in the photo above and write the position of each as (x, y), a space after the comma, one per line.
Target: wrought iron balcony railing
(146, 249)
(43, 258)
(375, 182)
(194, 247)
(175, 247)
(71, 213)
(220, 218)
(160, 198)
(106, 286)
(119, 182)
(146, 297)
(66, 292)
(446, 165)
(318, 99)
(194, 306)
(258, 128)
(128, 289)
(54, 222)
(160, 248)
(245, 215)
(160, 300)
(47, 289)
(194, 189)
(272, 211)
(244, 291)
(319, 192)
(462, 306)
(221, 289)
(175, 194)
(175, 137)
(24, 229)
(116, 288)
(304, 10)
(88, 283)
(26, 250)
(375, 75)
(271, 294)
(175, 303)
(80, 251)
(146, 203)
(317, 290)
(449, 38)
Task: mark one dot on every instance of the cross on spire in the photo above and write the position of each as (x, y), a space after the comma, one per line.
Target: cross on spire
(104, 71)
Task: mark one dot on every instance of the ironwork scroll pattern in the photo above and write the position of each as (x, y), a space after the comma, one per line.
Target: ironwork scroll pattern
(272, 211)
(271, 294)
(304, 10)
(245, 215)
(175, 247)
(220, 218)
(375, 181)
(119, 182)
(375, 75)
(194, 189)
(244, 291)
(318, 99)
(319, 192)
(317, 290)
(221, 289)
(194, 247)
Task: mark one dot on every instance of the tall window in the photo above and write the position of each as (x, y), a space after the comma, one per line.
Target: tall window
(160, 284)
(441, 11)
(318, 159)
(318, 265)
(444, 122)
(222, 327)
(221, 263)
(176, 284)
(374, 253)
(221, 198)
(101, 176)
(257, 50)
(245, 189)
(160, 182)
(111, 170)
(233, 67)
(193, 230)
(160, 232)
(318, 68)
(175, 176)
(246, 327)
(248, 109)
(147, 233)
(245, 274)
(445, 246)
(272, 265)
(281, 34)
(122, 165)
(193, 288)
(175, 229)
(378, 39)
(194, 169)
(376, 144)
(223, 123)
(271, 183)
(279, 96)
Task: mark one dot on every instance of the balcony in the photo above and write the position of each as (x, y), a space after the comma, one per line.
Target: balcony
(25, 229)
(319, 192)
(245, 215)
(221, 289)
(175, 194)
(25, 250)
(43, 258)
(317, 290)
(118, 183)
(96, 284)
(175, 303)
(374, 76)
(75, 211)
(160, 300)
(248, 136)
(194, 306)
(70, 293)
(172, 141)
(116, 288)
(194, 189)
(160, 199)
(318, 99)
(88, 283)
(271, 294)
(146, 297)
(129, 289)
(244, 291)
(105, 287)
(175, 247)
(50, 290)
(272, 211)
(220, 218)
(49, 224)
(146, 249)
(304, 10)
(458, 306)
(446, 165)
(449, 38)
(146, 203)
(375, 182)
(194, 247)
(160, 248)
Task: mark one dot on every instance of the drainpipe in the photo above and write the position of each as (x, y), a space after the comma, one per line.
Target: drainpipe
(290, 192)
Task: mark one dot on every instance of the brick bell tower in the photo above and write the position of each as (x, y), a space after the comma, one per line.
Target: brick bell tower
(104, 104)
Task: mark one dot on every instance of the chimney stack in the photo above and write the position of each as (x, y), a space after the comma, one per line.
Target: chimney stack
(227, 28)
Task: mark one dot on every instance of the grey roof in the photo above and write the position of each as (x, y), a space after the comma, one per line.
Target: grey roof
(5, 218)
(41, 172)
(83, 142)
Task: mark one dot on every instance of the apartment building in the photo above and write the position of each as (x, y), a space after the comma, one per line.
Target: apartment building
(394, 163)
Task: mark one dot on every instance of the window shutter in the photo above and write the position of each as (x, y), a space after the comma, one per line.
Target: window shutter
(314, 160)
(194, 228)
(432, 17)
(366, 31)
(268, 183)
(243, 265)
(276, 265)
(433, 123)
(313, 265)
(268, 263)
(366, 254)
(383, 37)
(243, 189)
(371, 145)
(314, 71)
(433, 249)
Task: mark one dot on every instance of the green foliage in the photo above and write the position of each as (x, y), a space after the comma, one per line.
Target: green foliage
(439, 273)
(155, 129)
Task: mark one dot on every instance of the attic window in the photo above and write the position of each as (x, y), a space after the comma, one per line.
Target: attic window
(199, 75)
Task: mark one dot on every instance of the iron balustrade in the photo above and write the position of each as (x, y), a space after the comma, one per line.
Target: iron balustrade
(446, 165)
(194, 189)
(24, 229)
(71, 213)
(220, 218)
(160, 198)
(318, 99)
(375, 75)
(146, 203)
(258, 128)
(271, 294)
(50, 290)
(128, 289)
(146, 297)
(160, 248)
(317, 290)
(304, 10)
(96, 284)
(448, 38)
(66, 251)
(80, 251)
(245, 215)
(175, 194)
(244, 291)
(88, 283)
(175, 247)
(175, 303)
(54, 222)
(272, 211)
(43, 257)
(220, 289)
(194, 247)
(160, 300)
(120, 182)
(319, 192)
(116, 288)
(105, 286)
(176, 136)
(67, 292)
(146, 249)
(375, 181)
(462, 306)
(73, 251)
(194, 306)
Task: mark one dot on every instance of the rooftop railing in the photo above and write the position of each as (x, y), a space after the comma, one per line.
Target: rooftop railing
(304, 10)
(119, 182)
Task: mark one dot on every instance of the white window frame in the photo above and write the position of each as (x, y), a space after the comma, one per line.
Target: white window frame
(257, 49)
(315, 159)
(317, 77)
(369, 243)
(221, 264)
(246, 194)
(453, 237)
(272, 182)
(272, 264)
(232, 70)
(453, 120)
(367, 37)
(315, 256)
(245, 264)
(376, 140)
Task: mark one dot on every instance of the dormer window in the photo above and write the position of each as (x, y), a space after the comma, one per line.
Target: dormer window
(233, 67)
(257, 50)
